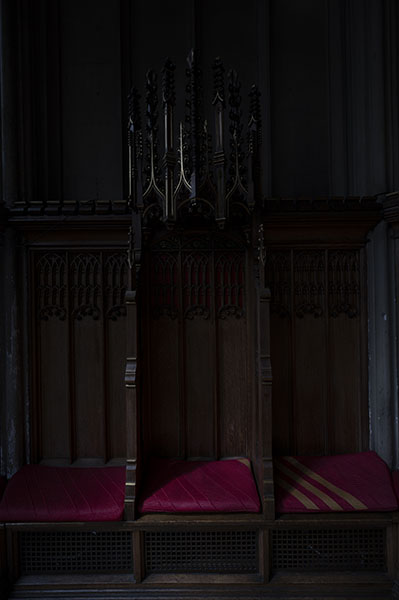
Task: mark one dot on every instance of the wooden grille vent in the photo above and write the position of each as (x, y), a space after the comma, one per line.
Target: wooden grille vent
(75, 552)
(330, 549)
(201, 552)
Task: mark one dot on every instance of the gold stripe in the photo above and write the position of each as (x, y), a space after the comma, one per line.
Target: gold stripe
(298, 495)
(354, 502)
(326, 499)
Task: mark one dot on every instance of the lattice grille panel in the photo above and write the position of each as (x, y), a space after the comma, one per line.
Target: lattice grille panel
(76, 552)
(330, 549)
(201, 552)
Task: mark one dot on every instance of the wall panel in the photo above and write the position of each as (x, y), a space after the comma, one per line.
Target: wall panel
(78, 352)
(318, 352)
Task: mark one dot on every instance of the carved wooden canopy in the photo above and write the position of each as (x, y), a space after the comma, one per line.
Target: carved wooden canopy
(195, 170)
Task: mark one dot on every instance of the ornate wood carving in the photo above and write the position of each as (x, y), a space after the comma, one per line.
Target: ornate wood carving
(77, 328)
(86, 286)
(309, 283)
(115, 270)
(307, 270)
(212, 272)
(229, 285)
(51, 273)
(344, 283)
(193, 185)
(82, 282)
(196, 286)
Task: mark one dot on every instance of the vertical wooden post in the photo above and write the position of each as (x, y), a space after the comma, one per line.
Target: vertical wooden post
(265, 554)
(138, 556)
(131, 406)
(12, 556)
(265, 386)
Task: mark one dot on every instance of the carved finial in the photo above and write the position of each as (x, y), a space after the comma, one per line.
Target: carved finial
(254, 107)
(235, 102)
(261, 245)
(152, 101)
(218, 81)
(168, 83)
(130, 248)
(134, 116)
(237, 168)
(191, 58)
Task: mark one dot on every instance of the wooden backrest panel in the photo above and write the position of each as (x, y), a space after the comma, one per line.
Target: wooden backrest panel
(78, 353)
(318, 348)
(196, 346)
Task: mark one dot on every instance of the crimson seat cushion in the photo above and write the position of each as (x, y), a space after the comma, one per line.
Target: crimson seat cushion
(177, 486)
(342, 483)
(39, 493)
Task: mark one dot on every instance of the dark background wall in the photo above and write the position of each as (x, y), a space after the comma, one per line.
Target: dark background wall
(327, 70)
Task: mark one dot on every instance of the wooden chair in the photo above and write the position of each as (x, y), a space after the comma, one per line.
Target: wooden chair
(198, 374)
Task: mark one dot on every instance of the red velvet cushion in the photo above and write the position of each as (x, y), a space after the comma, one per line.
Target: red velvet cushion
(39, 493)
(346, 483)
(177, 486)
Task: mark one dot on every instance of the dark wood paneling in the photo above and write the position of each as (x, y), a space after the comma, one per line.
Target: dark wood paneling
(233, 387)
(310, 393)
(199, 382)
(281, 356)
(164, 385)
(115, 365)
(55, 390)
(79, 350)
(346, 388)
(196, 336)
(89, 397)
(319, 357)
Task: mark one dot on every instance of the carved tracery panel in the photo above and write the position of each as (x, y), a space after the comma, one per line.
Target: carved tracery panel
(78, 352)
(344, 283)
(229, 285)
(86, 290)
(309, 283)
(209, 277)
(317, 326)
(115, 284)
(51, 274)
(196, 285)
